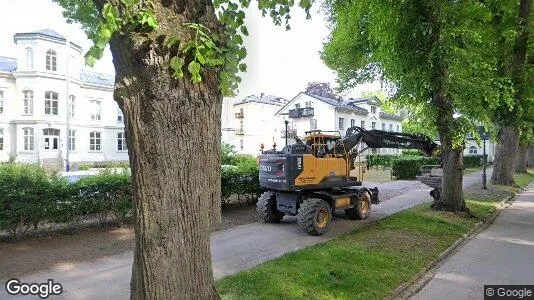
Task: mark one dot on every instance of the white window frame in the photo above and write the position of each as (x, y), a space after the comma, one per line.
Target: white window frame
(473, 150)
(51, 103)
(27, 102)
(72, 140)
(96, 109)
(120, 116)
(29, 138)
(373, 109)
(313, 124)
(29, 58)
(383, 126)
(352, 122)
(362, 124)
(95, 141)
(391, 127)
(398, 128)
(121, 141)
(341, 123)
(1, 138)
(72, 106)
(308, 104)
(373, 125)
(1, 102)
(51, 60)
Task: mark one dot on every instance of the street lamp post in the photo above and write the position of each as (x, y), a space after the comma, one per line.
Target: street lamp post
(484, 135)
(287, 122)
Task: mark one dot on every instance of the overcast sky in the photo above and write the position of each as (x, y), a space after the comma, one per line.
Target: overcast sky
(279, 62)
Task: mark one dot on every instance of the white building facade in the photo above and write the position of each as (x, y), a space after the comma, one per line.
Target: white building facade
(53, 111)
(255, 122)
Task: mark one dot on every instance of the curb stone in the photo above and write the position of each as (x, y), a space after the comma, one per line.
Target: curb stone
(419, 280)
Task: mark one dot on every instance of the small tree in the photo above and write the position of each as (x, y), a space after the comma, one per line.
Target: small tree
(322, 89)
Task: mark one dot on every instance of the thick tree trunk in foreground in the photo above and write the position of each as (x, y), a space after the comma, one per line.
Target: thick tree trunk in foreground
(505, 155)
(521, 159)
(173, 131)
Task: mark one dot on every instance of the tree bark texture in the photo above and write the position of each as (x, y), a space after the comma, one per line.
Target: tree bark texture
(173, 134)
(452, 196)
(505, 156)
(521, 160)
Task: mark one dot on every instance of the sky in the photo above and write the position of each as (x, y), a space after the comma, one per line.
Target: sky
(280, 62)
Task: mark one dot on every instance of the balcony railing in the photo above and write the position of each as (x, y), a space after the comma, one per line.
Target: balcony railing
(239, 115)
(291, 134)
(239, 131)
(301, 112)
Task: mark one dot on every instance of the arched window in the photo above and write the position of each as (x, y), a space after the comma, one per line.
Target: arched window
(473, 150)
(27, 102)
(51, 60)
(29, 58)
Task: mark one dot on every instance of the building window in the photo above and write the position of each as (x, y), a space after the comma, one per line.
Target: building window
(241, 144)
(72, 140)
(363, 124)
(352, 122)
(51, 103)
(383, 126)
(373, 125)
(341, 124)
(95, 110)
(94, 141)
(297, 105)
(27, 102)
(1, 102)
(28, 138)
(72, 106)
(313, 124)
(51, 60)
(373, 109)
(121, 141)
(398, 128)
(1, 139)
(390, 127)
(473, 150)
(29, 58)
(308, 104)
(120, 116)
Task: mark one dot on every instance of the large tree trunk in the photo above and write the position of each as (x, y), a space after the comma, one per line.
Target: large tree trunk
(505, 154)
(173, 134)
(452, 196)
(521, 159)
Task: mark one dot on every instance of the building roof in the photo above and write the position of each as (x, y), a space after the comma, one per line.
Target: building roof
(262, 99)
(340, 103)
(7, 64)
(95, 78)
(43, 32)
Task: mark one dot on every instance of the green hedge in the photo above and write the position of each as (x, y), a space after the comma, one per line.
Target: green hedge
(240, 179)
(473, 161)
(31, 196)
(407, 167)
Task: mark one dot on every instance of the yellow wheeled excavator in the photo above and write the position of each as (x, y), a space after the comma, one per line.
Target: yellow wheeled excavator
(311, 178)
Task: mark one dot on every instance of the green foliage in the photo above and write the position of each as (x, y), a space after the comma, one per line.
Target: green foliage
(418, 48)
(207, 50)
(240, 179)
(31, 196)
(228, 154)
(25, 197)
(473, 161)
(407, 167)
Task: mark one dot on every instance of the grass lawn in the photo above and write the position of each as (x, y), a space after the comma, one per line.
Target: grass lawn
(523, 179)
(365, 264)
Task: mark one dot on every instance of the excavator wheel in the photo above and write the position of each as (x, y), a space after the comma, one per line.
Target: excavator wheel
(361, 209)
(266, 208)
(314, 216)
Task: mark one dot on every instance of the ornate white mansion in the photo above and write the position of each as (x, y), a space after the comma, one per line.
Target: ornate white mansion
(52, 111)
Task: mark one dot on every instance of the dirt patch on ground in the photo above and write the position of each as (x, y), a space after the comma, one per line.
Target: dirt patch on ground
(39, 253)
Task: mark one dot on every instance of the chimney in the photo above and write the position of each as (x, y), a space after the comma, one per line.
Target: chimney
(261, 96)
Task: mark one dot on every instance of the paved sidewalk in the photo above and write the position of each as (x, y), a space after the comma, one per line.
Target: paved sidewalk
(233, 250)
(502, 254)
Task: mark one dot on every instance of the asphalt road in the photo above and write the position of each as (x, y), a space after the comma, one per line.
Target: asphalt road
(502, 254)
(233, 250)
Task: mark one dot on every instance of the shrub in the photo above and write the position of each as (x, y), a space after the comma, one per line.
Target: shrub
(473, 161)
(407, 167)
(25, 197)
(227, 154)
(104, 193)
(85, 166)
(241, 179)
